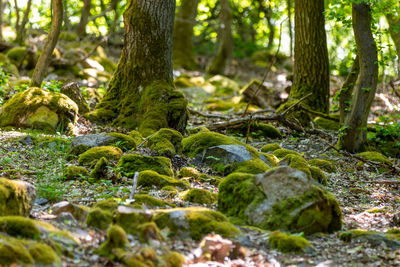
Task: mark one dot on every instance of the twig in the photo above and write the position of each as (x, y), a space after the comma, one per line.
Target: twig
(319, 114)
(135, 179)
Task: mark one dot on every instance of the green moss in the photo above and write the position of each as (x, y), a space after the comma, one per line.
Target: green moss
(75, 172)
(197, 143)
(258, 130)
(282, 152)
(151, 202)
(297, 162)
(148, 231)
(149, 179)
(166, 142)
(323, 164)
(137, 137)
(170, 190)
(254, 166)
(287, 243)
(134, 162)
(270, 147)
(123, 141)
(68, 36)
(196, 130)
(183, 82)
(236, 192)
(302, 116)
(213, 180)
(44, 254)
(375, 156)
(19, 227)
(272, 159)
(99, 218)
(100, 169)
(199, 222)
(347, 236)
(173, 259)
(13, 251)
(39, 107)
(318, 175)
(107, 204)
(108, 64)
(327, 124)
(16, 54)
(14, 198)
(131, 220)
(220, 105)
(116, 238)
(95, 153)
(189, 172)
(199, 196)
(224, 85)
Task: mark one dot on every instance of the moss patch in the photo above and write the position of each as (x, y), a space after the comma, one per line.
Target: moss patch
(327, 124)
(258, 129)
(323, 164)
(199, 196)
(19, 227)
(99, 218)
(134, 162)
(166, 142)
(287, 243)
(375, 156)
(44, 254)
(123, 141)
(149, 179)
(150, 201)
(14, 198)
(75, 172)
(116, 238)
(95, 153)
(270, 147)
(100, 169)
(254, 166)
(318, 175)
(282, 152)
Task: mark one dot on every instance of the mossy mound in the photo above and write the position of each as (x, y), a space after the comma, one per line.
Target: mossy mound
(149, 231)
(100, 169)
(375, 156)
(296, 161)
(43, 254)
(318, 175)
(223, 85)
(16, 54)
(15, 198)
(196, 130)
(257, 130)
(174, 259)
(194, 222)
(91, 156)
(327, 124)
(189, 172)
(197, 143)
(323, 164)
(287, 243)
(19, 226)
(75, 172)
(99, 218)
(313, 211)
(391, 238)
(272, 159)
(123, 141)
(116, 238)
(151, 202)
(137, 137)
(166, 142)
(270, 147)
(150, 179)
(282, 152)
(130, 218)
(220, 105)
(199, 196)
(39, 108)
(170, 190)
(136, 163)
(254, 166)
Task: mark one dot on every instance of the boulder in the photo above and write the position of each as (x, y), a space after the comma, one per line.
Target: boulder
(261, 95)
(73, 91)
(166, 142)
(132, 163)
(283, 198)
(16, 197)
(39, 108)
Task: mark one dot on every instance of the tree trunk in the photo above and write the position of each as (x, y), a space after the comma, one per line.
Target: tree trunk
(183, 55)
(394, 29)
(347, 90)
(44, 59)
(17, 15)
(311, 67)
(21, 28)
(225, 37)
(1, 20)
(81, 28)
(271, 27)
(141, 93)
(114, 6)
(290, 28)
(354, 134)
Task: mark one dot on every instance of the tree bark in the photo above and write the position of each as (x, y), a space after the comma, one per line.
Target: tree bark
(17, 15)
(21, 28)
(183, 55)
(394, 29)
(354, 135)
(81, 28)
(290, 28)
(311, 67)
(225, 37)
(141, 93)
(1, 20)
(271, 27)
(44, 59)
(347, 90)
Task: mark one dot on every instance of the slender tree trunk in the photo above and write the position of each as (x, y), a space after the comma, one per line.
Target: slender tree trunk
(114, 6)
(17, 15)
(271, 27)
(225, 37)
(290, 28)
(141, 93)
(347, 90)
(394, 29)
(81, 28)
(311, 68)
(354, 135)
(66, 18)
(43, 62)
(1, 19)
(183, 55)
(21, 28)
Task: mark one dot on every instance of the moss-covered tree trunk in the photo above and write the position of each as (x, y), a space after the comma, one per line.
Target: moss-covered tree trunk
(311, 66)
(394, 29)
(141, 93)
(81, 28)
(44, 59)
(354, 135)
(347, 90)
(225, 40)
(183, 55)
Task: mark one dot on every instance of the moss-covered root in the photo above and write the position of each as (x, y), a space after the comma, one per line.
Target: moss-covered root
(116, 238)
(287, 243)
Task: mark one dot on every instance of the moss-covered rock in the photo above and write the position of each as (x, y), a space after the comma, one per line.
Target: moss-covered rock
(323, 164)
(16, 54)
(100, 169)
(173, 259)
(19, 226)
(199, 196)
(75, 172)
(287, 243)
(116, 239)
(44, 255)
(166, 142)
(296, 161)
(257, 130)
(123, 141)
(137, 137)
(99, 218)
(327, 124)
(149, 179)
(171, 191)
(151, 202)
(253, 166)
(272, 159)
(318, 175)
(130, 218)
(149, 231)
(270, 147)
(13, 251)
(92, 155)
(189, 172)
(136, 163)
(194, 222)
(391, 238)
(16, 197)
(39, 108)
(220, 105)
(196, 130)
(375, 156)
(282, 152)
